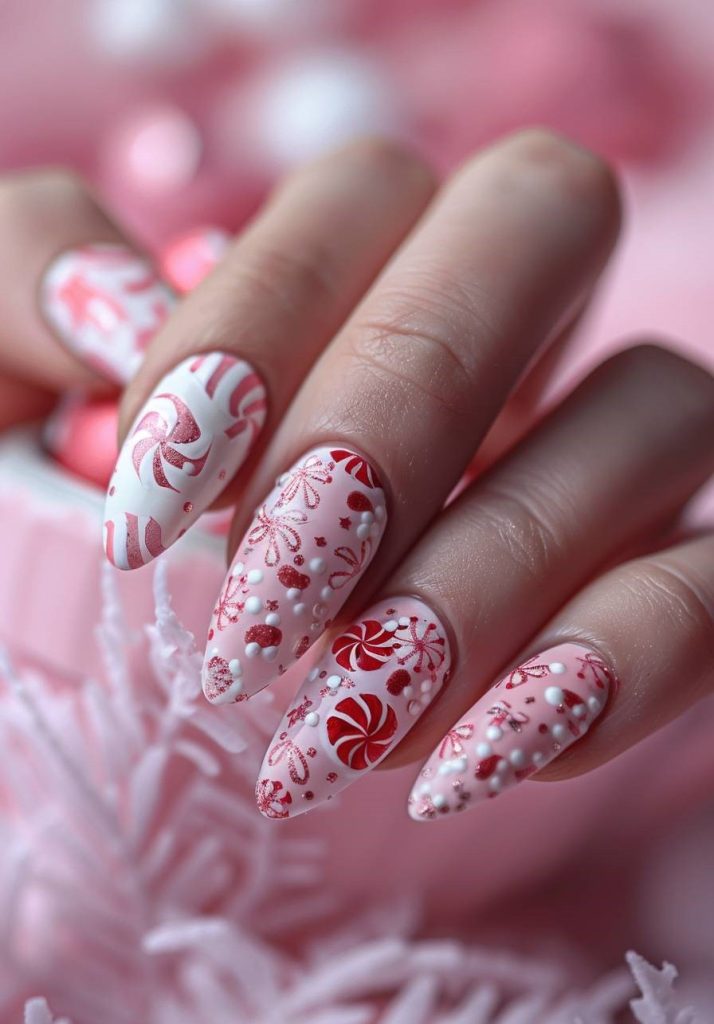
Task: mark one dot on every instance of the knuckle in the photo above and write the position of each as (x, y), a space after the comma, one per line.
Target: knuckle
(295, 281)
(672, 596)
(526, 526)
(653, 366)
(425, 333)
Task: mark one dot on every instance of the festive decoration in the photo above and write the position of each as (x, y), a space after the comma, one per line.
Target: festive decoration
(189, 440)
(349, 734)
(553, 699)
(293, 558)
(105, 302)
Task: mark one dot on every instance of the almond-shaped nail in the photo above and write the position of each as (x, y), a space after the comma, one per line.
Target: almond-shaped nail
(105, 302)
(519, 726)
(190, 438)
(377, 679)
(306, 549)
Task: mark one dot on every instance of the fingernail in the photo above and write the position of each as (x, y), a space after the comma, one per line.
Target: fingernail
(105, 302)
(363, 697)
(190, 438)
(306, 549)
(519, 726)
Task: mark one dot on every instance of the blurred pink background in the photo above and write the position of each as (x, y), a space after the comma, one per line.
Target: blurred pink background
(183, 113)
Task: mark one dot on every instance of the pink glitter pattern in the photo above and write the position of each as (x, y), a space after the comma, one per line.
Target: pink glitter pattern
(290, 576)
(515, 729)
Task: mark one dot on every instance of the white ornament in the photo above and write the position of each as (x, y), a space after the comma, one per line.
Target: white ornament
(312, 718)
(254, 605)
(256, 576)
(557, 668)
(554, 695)
(494, 732)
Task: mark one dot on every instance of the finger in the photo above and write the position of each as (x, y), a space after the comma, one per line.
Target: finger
(411, 385)
(79, 301)
(244, 339)
(495, 566)
(22, 403)
(642, 636)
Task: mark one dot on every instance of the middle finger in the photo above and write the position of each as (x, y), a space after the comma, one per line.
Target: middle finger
(395, 408)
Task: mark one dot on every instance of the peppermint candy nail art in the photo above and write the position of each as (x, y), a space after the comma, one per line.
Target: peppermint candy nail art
(105, 303)
(308, 545)
(376, 680)
(520, 725)
(190, 438)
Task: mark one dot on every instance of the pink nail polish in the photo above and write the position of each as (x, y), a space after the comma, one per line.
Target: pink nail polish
(306, 549)
(105, 303)
(518, 727)
(190, 438)
(363, 697)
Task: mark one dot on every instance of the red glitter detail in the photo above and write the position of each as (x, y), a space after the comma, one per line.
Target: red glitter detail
(188, 506)
(309, 795)
(320, 542)
(359, 502)
(299, 560)
(345, 522)
(397, 681)
(264, 636)
(292, 579)
(331, 776)
(301, 646)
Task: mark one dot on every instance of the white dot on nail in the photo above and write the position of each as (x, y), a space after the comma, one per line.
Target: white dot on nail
(318, 565)
(312, 718)
(235, 667)
(558, 731)
(292, 594)
(494, 732)
(253, 605)
(594, 704)
(298, 608)
(333, 682)
(579, 710)
(438, 800)
(557, 668)
(255, 576)
(273, 619)
(517, 758)
(483, 750)
(326, 593)
(554, 695)
(363, 531)
(251, 650)
(391, 625)
(269, 653)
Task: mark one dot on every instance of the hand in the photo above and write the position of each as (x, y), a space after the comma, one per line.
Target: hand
(357, 343)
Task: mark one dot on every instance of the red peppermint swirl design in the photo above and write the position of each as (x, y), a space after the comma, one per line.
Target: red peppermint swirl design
(361, 730)
(365, 645)
(356, 466)
(163, 440)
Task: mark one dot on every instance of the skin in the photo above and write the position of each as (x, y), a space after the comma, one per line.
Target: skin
(400, 322)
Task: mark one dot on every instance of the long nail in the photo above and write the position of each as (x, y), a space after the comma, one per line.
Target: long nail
(518, 727)
(188, 441)
(105, 302)
(355, 706)
(305, 551)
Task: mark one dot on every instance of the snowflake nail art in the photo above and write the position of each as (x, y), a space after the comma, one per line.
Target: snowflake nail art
(542, 707)
(379, 676)
(105, 302)
(308, 545)
(192, 435)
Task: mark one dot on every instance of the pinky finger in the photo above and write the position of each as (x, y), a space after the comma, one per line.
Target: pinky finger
(630, 653)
